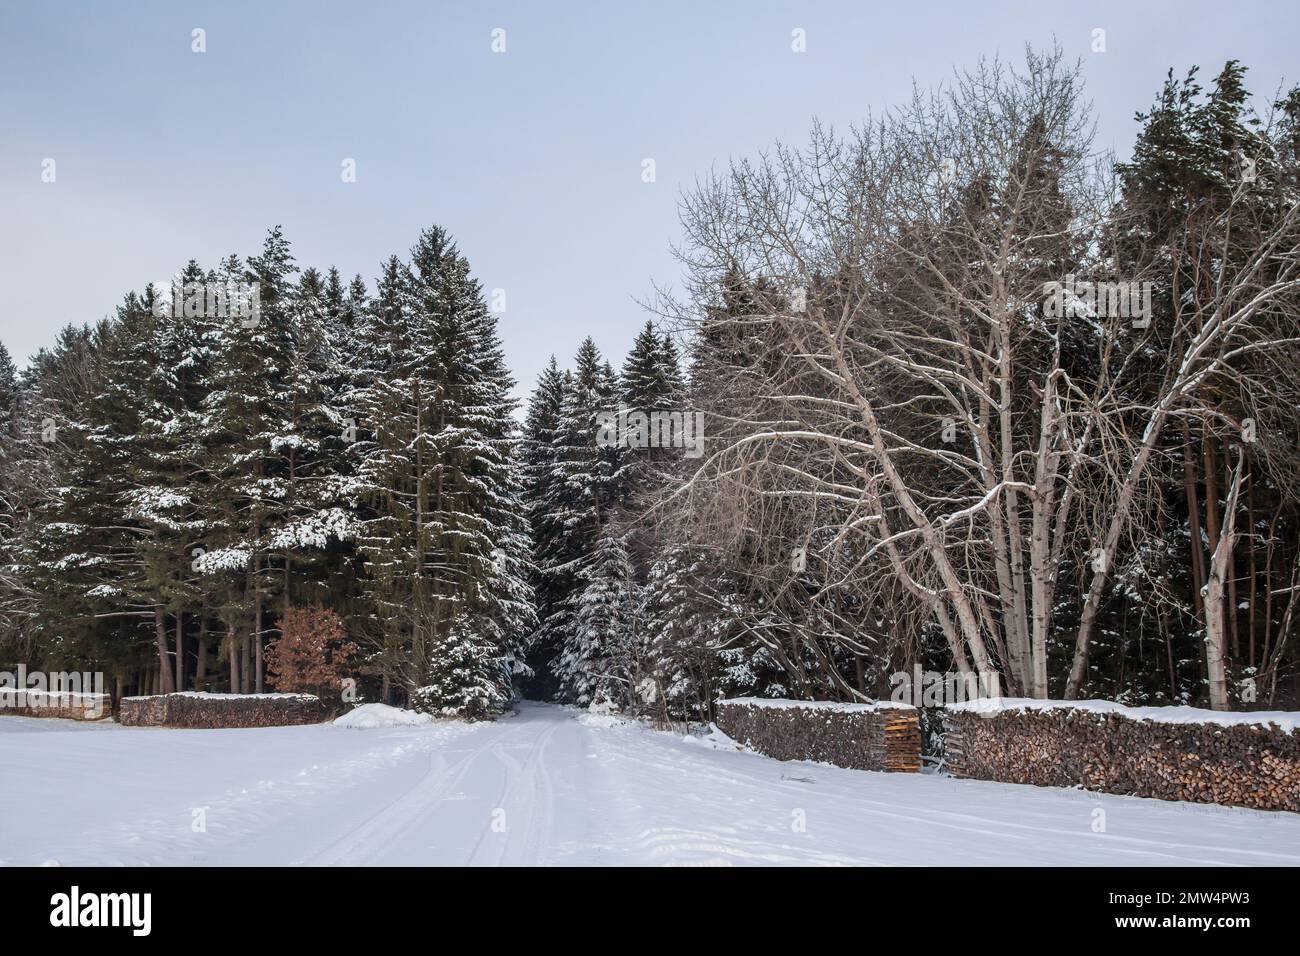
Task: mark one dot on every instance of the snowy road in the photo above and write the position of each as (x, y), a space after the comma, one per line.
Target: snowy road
(552, 786)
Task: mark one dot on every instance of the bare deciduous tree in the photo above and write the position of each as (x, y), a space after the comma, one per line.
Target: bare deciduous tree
(926, 367)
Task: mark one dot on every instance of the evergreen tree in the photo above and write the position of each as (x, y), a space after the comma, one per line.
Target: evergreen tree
(599, 657)
(310, 446)
(162, 373)
(467, 677)
(651, 379)
(580, 495)
(11, 584)
(80, 553)
(538, 456)
(8, 392)
(447, 538)
(249, 438)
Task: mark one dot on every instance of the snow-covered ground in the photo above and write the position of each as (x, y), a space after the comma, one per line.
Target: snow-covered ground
(552, 786)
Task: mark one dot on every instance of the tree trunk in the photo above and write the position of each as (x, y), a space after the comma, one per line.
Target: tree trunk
(1254, 567)
(1215, 593)
(1118, 521)
(234, 660)
(201, 659)
(1194, 524)
(1233, 630)
(1042, 572)
(257, 646)
(180, 650)
(160, 637)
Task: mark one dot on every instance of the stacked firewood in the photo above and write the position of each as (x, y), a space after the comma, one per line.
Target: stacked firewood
(221, 710)
(24, 702)
(1243, 765)
(902, 740)
(861, 737)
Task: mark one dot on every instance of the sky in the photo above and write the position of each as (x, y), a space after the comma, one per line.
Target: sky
(531, 157)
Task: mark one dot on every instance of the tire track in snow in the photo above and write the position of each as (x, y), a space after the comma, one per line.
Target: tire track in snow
(369, 840)
(512, 770)
(239, 812)
(527, 783)
(540, 834)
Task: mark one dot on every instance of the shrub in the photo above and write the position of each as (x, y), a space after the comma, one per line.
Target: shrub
(312, 654)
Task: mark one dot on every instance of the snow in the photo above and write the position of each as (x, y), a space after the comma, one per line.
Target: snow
(222, 559)
(206, 694)
(315, 530)
(824, 705)
(544, 787)
(371, 716)
(1287, 721)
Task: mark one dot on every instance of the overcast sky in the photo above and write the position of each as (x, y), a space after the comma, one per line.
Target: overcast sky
(532, 158)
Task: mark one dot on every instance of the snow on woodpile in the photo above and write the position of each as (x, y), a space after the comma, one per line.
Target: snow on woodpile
(879, 735)
(1287, 720)
(370, 716)
(829, 706)
(200, 710)
(1170, 753)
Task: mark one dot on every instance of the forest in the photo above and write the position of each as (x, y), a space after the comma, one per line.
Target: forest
(971, 394)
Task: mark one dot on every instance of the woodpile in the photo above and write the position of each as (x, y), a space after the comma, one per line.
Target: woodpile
(881, 736)
(1241, 765)
(26, 702)
(221, 710)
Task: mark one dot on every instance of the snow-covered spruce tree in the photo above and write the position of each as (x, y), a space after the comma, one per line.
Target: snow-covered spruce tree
(599, 660)
(248, 434)
(165, 376)
(8, 391)
(8, 490)
(310, 449)
(602, 649)
(537, 468)
(338, 573)
(108, 525)
(381, 467)
(81, 553)
(703, 638)
(334, 300)
(651, 381)
(581, 495)
(28, 483)
(55, 383)
(129, 536)
(467, 675)
(444, 530)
